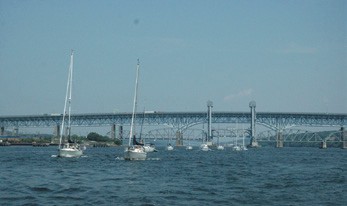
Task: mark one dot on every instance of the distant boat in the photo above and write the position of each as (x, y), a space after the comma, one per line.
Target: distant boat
(169, 147)
(149, 148)
(135, 151)
(220, 147)
(236, 148)
(68, 148)
(189, 147)
(204, 147)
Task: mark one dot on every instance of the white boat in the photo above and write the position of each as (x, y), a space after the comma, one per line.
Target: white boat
(68, 148)
(149, 148)
(134, 152)
(169, 147)
(220, 147)
(70, 151)
(237, 148)
(189, 147)
(204, 147)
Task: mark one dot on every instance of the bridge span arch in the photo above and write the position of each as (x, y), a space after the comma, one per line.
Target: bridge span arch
(181, 121)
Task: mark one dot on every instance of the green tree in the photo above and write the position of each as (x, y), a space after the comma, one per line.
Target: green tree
(93, 136)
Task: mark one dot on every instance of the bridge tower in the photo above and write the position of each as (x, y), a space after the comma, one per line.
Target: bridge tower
(179, 138)
(279, 139)
(254, 142)
(209, 121)
(120, 132)
(113, 132)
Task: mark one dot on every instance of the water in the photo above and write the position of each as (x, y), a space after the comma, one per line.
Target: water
(264, 176)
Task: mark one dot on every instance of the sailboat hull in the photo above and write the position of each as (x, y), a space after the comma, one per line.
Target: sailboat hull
(70, 152)
(149, 148)
(135, 153)
(204, 147)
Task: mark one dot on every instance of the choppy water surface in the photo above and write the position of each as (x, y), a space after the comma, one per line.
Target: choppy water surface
(264, 176)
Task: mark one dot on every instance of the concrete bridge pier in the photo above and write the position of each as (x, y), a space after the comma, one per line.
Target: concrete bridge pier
(120, 132)
(279, 139)
(179, 138)
(254, 142)
(209, 121)
(2, 131)
(15, 131)
(57, 130)
(344, 138)
(113, 132)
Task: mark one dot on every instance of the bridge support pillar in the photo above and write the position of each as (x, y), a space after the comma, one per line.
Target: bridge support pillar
(279, 140)
(2, 131)
(209, 118)
(57, 130)
(15, 131)
(120, 132)
(344, 138)
(254, 142)
(323, 144)
(56, 134)
(113, 132)
(179, 138)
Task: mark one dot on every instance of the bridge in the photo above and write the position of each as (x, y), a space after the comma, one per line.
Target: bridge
(181, 121)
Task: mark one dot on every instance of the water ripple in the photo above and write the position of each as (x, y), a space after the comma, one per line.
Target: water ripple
(266, 176)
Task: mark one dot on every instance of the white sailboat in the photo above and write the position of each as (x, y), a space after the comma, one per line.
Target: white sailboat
(134, 151)
(219, 147)
(236, 146)
(149, 147)
(189, 147)
(204, 147)
(67, 148)
(243, 140)
(169, 147)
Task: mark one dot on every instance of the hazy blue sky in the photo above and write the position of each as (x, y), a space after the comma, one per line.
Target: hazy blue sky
(288, 56)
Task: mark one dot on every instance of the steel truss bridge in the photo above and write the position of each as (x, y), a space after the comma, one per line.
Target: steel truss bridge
(300, 135)
(179, 121)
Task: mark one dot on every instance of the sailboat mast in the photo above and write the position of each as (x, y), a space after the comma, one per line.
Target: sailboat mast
(68, 95)
(135, 102)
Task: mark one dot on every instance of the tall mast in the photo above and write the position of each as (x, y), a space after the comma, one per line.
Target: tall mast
(67, 100)
(135, 102)
(70, 95)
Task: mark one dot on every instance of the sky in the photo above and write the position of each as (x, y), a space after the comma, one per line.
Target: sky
(288, 56)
